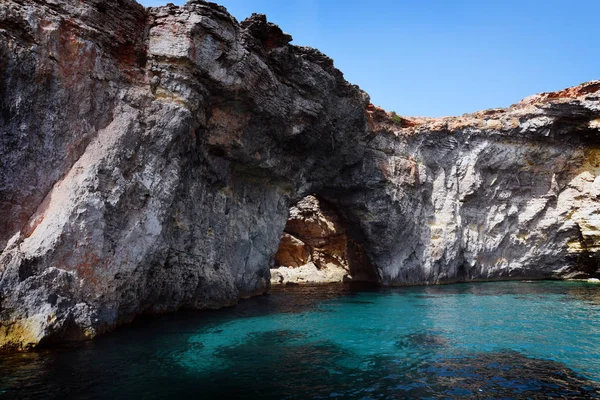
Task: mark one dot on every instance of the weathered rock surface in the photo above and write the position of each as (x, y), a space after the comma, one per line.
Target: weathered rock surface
(314, 246)
(292, 252)
(498, 194)
(149, 157)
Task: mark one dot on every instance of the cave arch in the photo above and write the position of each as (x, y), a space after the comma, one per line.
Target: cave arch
(318, 246)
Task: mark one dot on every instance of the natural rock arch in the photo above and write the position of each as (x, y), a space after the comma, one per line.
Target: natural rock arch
(149, 158)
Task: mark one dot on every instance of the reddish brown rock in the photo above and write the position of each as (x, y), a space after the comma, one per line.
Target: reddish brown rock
(315, 223)
(313, 234)
(292, 252)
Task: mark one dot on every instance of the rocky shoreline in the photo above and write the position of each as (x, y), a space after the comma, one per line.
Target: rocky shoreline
(149, 159)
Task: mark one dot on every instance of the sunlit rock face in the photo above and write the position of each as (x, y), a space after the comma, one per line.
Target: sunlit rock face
(499, 194)
(149, 158)
(314, 246)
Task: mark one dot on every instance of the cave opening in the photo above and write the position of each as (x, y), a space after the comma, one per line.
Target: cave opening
(317, 247)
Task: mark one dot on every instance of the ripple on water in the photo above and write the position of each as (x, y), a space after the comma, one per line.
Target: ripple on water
(495, 340)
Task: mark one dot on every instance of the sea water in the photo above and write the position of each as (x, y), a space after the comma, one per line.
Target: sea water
(481, 340)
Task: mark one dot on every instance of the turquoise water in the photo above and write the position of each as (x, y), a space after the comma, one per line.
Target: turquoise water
(484, 340)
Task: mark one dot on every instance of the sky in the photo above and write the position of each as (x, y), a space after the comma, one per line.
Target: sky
(443, 57)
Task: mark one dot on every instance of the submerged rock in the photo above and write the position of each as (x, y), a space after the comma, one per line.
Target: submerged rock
(149, 157)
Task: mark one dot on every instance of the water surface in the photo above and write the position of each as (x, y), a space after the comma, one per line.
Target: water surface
(484, 340)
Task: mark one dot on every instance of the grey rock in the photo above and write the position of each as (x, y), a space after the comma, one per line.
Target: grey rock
(149, 157)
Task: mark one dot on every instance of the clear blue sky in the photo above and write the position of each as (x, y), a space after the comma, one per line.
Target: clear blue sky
(444, 57)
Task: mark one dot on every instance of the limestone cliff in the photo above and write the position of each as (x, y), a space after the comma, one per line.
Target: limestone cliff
(149, 157)
(498, 194)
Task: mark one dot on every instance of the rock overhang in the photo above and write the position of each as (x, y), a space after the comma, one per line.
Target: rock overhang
(159, 172)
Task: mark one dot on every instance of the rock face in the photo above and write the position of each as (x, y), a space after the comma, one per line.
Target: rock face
(314, 246)
(149, 157)
(499, 194)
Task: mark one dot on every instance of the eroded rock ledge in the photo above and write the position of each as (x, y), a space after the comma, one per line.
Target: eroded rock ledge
(149, 157)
